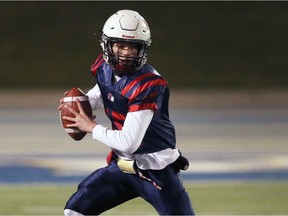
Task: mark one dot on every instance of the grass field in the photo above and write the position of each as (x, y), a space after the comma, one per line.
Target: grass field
(223, 198)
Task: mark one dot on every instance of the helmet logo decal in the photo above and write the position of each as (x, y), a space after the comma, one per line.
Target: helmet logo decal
(128, 36)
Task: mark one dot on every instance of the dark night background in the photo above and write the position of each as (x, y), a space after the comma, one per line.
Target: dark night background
(235, 45)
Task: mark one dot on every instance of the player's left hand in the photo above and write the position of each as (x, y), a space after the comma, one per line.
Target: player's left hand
(81, 120)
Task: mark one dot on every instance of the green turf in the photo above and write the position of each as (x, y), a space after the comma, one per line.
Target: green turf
(269, 198)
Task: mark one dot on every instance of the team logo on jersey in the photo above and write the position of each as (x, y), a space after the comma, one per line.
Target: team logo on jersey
(110, 97)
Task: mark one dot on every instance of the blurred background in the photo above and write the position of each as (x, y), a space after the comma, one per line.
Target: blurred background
(195, 44)
(226, 63)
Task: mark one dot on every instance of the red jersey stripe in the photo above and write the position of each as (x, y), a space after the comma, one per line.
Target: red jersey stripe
(158, 82)
(118, 125)
(137, 107)
(118, 116)
(135, 81)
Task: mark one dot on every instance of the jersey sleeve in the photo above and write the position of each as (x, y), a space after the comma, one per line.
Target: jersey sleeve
(129, 138)
(95, 98)
(146, 95)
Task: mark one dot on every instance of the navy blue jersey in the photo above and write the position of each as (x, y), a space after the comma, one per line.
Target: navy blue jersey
(142, 89)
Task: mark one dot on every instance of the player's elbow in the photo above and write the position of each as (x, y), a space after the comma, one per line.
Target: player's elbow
(127, 143)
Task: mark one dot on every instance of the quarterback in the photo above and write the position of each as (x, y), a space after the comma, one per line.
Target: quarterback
(144, 161)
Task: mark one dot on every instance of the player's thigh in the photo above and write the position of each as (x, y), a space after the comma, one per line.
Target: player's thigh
(102, 190)
(172, 197)
(173, 205)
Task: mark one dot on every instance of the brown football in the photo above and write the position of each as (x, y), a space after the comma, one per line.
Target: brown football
(70, 100)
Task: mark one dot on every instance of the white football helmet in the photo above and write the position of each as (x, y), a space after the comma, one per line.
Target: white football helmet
(126, 26)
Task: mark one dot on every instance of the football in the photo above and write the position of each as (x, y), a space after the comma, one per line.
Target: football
(70, 100)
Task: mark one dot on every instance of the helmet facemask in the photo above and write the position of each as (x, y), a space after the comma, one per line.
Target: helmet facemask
(123, 65)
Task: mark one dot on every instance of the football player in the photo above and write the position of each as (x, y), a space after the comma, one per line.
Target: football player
(144, 161)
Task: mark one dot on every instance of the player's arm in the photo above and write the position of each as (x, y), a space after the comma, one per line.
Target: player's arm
(126, 140)
(95, 98)
(130, 137)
